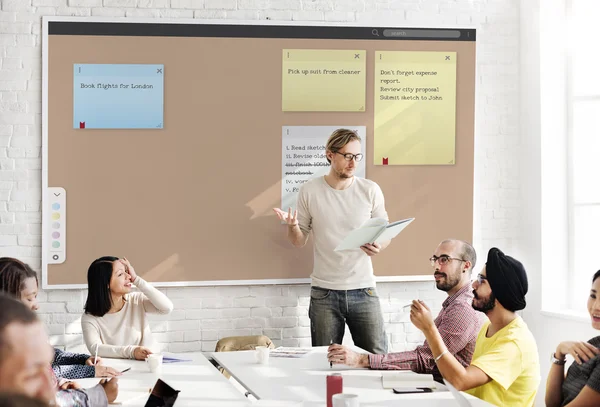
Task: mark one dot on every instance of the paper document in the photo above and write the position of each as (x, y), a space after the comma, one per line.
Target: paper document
(288, 352)
(407, 379)
(303, 159)
(375, 230)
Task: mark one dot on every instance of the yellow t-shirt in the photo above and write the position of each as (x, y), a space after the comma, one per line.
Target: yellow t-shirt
(510, 358)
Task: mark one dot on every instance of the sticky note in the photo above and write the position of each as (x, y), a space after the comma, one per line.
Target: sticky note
(118, 96)
(323, 80)
(415, 108)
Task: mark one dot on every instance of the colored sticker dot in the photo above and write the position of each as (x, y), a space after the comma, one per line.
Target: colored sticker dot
(55, 225)
(55, 206)
(56, 245)
(55, 216)
(55, 235)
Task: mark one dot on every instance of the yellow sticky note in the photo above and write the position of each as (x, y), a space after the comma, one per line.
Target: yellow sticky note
(320, 80)
(415, 108)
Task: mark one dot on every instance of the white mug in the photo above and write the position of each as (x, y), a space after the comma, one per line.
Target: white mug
(262, 355)
(344, 400)
(154, 362)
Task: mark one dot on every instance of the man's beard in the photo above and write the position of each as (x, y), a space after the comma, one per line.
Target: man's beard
(487, 305)
(449, 284)
(343, 175)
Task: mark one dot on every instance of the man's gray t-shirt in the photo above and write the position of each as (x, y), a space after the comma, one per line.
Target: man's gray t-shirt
(332, 214)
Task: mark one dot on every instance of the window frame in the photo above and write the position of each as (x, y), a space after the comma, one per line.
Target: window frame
(573, 301)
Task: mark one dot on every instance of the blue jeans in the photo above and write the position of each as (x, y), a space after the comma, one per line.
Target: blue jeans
(360, 309)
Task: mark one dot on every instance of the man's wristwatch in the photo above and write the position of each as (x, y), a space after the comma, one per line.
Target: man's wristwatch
(557, 361)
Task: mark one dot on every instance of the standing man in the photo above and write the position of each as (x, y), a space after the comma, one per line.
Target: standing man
(343, 284)
(505, 369)
(457, 322)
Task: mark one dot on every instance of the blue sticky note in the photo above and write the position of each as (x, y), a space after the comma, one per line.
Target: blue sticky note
(118, 96)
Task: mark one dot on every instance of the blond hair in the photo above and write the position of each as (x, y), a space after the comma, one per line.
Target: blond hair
(338, 139)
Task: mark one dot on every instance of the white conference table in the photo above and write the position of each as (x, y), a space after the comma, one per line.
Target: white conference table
(304, 379)
(200, 383)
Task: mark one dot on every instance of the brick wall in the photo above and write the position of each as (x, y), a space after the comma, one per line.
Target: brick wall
(202, 315)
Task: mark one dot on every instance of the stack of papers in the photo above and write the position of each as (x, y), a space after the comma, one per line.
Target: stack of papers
(394, 380)
(283, 352)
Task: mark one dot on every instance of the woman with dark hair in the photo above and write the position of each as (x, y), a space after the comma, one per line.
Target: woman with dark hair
(115, 321)
(18, 280)
(581, 385)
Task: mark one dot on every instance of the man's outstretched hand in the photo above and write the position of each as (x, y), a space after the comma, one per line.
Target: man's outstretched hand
(290, 218)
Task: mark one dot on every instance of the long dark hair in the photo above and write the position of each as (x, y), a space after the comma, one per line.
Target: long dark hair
(596, 275)
(99, 301)
(13, 274)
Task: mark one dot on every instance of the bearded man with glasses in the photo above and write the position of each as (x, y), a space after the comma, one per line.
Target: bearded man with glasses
(343, 285)
(505, 370)
(457, 322)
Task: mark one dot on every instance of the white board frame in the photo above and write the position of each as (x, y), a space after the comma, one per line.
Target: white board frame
(44, 148)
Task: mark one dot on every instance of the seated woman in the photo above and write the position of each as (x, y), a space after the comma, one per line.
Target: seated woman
(581, 385)
(115, 320)
(18, 280)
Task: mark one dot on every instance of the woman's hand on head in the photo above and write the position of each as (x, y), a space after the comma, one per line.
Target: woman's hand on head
(141, 353)
(129, 268)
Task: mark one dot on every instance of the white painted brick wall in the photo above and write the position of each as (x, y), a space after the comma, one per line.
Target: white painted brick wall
(203, 315)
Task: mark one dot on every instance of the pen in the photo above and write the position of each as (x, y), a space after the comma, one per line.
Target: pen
(96, 356)
(330, 363)
(123, 371)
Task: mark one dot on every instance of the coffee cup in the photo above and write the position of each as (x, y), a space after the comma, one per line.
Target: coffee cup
(154, 362)
(345, 400)
(262, 355)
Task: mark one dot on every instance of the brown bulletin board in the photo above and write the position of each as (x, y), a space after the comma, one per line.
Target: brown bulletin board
(176, 201)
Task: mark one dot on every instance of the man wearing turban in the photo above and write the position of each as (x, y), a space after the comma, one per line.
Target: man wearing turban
(505, 369)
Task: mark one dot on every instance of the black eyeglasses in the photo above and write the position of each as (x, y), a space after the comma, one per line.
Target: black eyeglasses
(349, 157)
(443, 259)
(481, 278)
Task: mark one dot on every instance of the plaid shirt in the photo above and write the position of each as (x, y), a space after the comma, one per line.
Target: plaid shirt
(458, 324)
